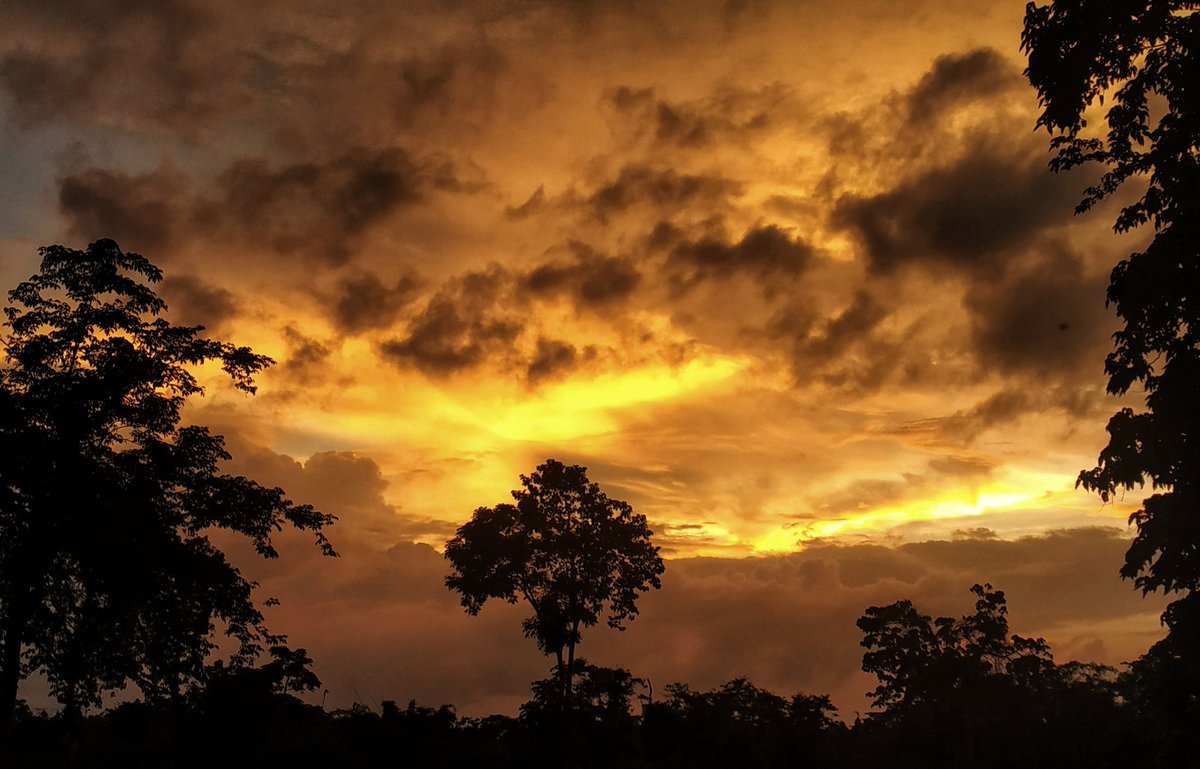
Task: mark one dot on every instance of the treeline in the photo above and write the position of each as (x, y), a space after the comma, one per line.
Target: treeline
(953, 692)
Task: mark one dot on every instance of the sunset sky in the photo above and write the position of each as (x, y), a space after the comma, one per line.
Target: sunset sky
(789, 277)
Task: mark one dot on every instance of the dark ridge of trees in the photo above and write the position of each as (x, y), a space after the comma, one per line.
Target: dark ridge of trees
(1141, 61)
(565, 548)
(953, 693)
(107, 575)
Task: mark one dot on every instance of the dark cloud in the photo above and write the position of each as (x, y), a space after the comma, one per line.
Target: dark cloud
(829, 340)
(317, 208)
(590, 278)
(195, 302)
(307, 358)
(765, 252)
(856, 348)
(456, 82)
(531, 205)
(461, 326)
(86, 58)
(552, 356)
(141, 211)
(971, 214)
(641, 186)
(730, 114)
(42, 87)
(958, 79)
(1004, 407)
(1046, 318)
(484, 317)
(363, 302)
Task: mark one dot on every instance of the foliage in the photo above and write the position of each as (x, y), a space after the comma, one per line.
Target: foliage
(107, 575)
(738, 723)
(599, 694)
(919, 660)
(565, 548)
(953, 692)
(1142, 57)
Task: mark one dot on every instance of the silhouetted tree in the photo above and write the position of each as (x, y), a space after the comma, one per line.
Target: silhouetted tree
(739, 724)
(919, 660)
(599, 694)
(106, 573)
(1142, 57)
(566, 549)
(955, 691)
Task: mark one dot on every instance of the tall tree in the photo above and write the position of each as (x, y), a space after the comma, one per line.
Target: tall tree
(1143, 58)
(566, 549)
(106, 573)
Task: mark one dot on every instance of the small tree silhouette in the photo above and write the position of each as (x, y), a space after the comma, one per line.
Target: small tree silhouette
(564, 548)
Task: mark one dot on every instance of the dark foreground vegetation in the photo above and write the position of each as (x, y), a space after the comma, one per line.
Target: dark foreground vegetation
(952, 693)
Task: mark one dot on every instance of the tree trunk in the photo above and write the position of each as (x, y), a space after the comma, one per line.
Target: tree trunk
(10, 665)
(571, 662)
(562, 678)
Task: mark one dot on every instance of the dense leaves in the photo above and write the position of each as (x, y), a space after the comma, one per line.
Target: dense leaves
(920, 661)
(107, 575)
(1144, 58)
(958, 692)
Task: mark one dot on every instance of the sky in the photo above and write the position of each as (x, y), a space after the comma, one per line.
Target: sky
(791, 278)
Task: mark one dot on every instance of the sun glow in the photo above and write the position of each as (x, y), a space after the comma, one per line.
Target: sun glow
(951, 507)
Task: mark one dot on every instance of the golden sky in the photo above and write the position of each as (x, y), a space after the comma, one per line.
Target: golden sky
(789, 277)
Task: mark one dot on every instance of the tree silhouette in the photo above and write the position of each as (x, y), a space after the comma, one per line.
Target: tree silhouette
(920, 660)
(1142, 57)
(106, 573)
(955, 692)
(739, 724)
(564, 548)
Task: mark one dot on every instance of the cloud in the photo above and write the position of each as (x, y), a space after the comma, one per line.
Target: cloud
(460, 327)
(492, 317)
(876, 493)
(731, 114)
(456, 81)
(591, 279)
(969, 215)
(307, 358)
(958, 79)
(552, 356)
(363, 303)
(193, 301)
(534, 202)
(86, 59)
(764, 252)
(1045, 318)
(643, 187)
(141, 211)
(318, 209)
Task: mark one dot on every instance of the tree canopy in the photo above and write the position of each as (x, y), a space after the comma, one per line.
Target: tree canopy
(1143, 60)
(107, 575)
(565, 548)
(1142, 57)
